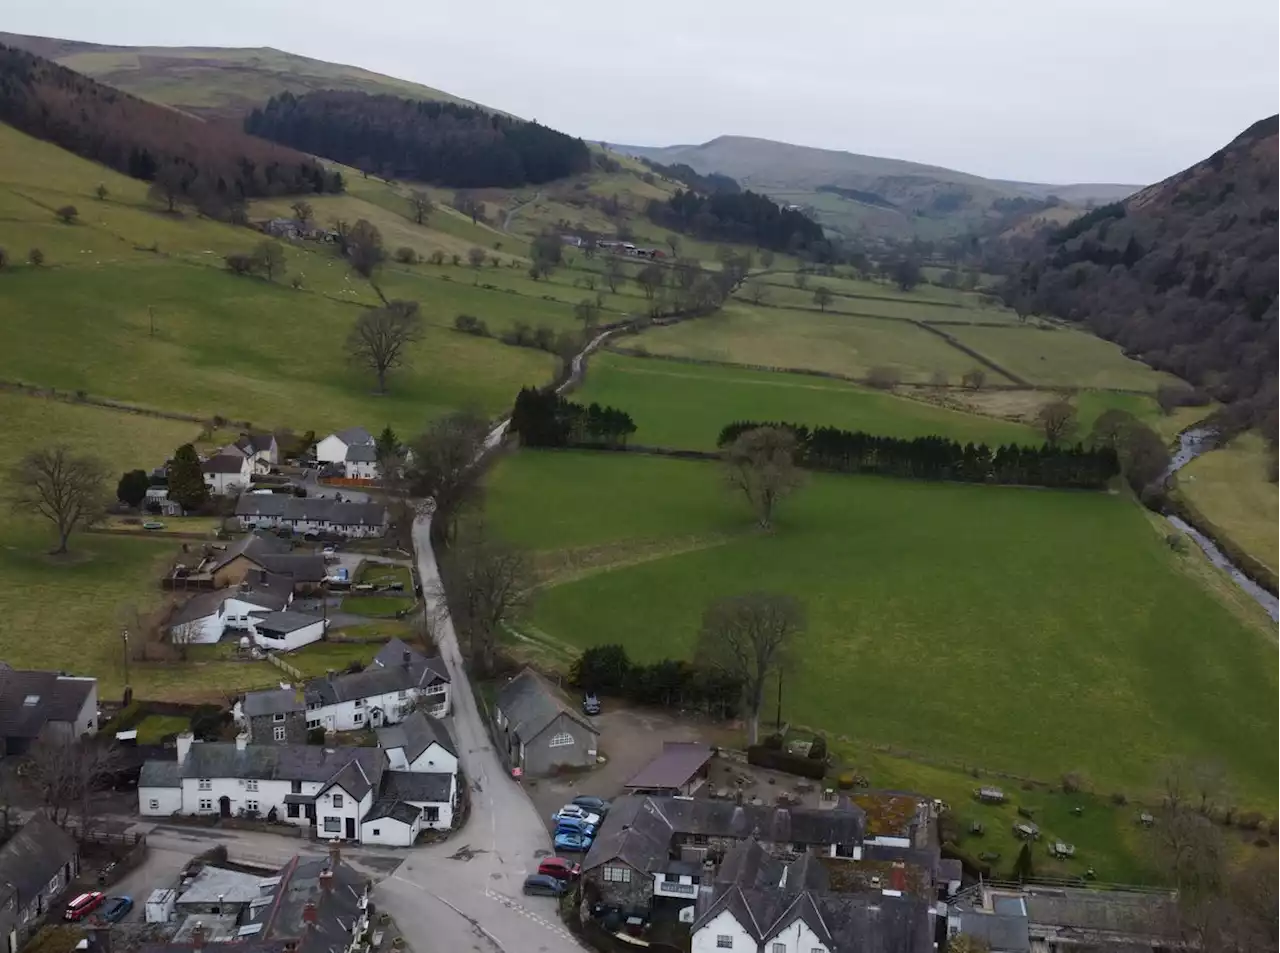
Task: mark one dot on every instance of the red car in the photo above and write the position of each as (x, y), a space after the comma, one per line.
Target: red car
(559, 868)
(83, 905)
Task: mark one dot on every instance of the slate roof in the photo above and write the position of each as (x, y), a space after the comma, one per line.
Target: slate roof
(415, 735)
(747, 864)
(360, 775)
(678, 763)
(220, 885)
(254, 546)
(31, 857)
(362, 453)
(311, 509)
(300, 567)
(390, 807)
(530, 705)
(999, 931)
(1109, 911)
(252, 443)
(272, 701)
(56, 698)
(950, 869)
(806, 872)
(222, 759)
(393, 653)
(160, 774)
(433, 786)
(286, 622)
(374, 680)
(354, 435)
(199, 606)
(223, 463)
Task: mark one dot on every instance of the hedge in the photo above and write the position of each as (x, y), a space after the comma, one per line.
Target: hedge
(764, 757)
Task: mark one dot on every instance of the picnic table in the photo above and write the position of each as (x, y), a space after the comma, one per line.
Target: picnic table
(1059, 849)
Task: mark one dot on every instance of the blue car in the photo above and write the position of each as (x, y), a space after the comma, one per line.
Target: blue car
(572, 842)
(569, 825)
(116, 908)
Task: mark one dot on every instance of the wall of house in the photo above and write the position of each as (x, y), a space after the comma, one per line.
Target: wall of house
(541, 756)
(722, 924)
(331, 450)
(242, 794)
(385, 709)
(435, 758)
(263, 729)
(443, 819)
(680, 886)
(291, 640)
(796, 938)
(227, 484)
(233, 573)
(360, 469)
(632, 894)
(389, 832)
(159, 802)
(205, 630)
(87, 718)
(334, 807)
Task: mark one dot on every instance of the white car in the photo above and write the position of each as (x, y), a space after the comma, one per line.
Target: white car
(577, 814)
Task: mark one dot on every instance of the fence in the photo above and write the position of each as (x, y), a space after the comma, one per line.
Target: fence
(285, 667)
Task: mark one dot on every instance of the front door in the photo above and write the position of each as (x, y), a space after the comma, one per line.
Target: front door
(351, 828)
(224, 806)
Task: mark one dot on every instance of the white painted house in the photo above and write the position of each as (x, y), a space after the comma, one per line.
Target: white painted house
(258, 608)
(261, 450)
(398, 680)
(361, 462)
(419, 743)
(333, 448)
(312, 515)
(226, 474)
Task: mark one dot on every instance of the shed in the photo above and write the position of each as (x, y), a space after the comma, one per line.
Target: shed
(680, 770)
(160, 905)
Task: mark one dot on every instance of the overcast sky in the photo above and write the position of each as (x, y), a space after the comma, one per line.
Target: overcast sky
(1043, 90)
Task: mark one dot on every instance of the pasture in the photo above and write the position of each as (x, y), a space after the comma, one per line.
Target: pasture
(1026, 630)
(684, 405)
(1232, 488)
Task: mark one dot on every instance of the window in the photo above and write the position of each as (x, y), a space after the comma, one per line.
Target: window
(433, 814)
(724, 942)
(154, 804)
(278, 733)
(206, 804)
(778, 948)
(377, 832)
(359, 717)
(337, 800)
(402, 694)
(250, 805)
(251, 785)
(205, 784)
(561, 740)
(313, 724)
(278, 716)
(333, 825)
(617, 875)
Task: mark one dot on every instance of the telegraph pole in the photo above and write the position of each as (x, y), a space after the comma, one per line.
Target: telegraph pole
(124, 635)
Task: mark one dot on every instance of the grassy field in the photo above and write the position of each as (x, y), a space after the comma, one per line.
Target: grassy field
(1033, 631)
(1061, 357)
(775, 337)
(376, 607)
(915, 308)
(1230, 486)
(685, 405)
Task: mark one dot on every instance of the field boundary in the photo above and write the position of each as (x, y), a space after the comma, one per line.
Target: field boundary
(976, 355)
(81, 397)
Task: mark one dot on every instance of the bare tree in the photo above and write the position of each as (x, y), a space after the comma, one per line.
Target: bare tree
(101, 192)
(167, 188)
(36, 257)
(614, 274)
(884, 377)
(302, 211)
(748, 637)
(588, 312)
(269, 259)
(342, 231)
(68, 490)
(68, 214)
(974, 378)
(801, 279)
(182, 636)
(650, 278)
(757, 292)
(938, 378)
(761, 463)
(476, 257)
(673, 242)
(442, 467)
(364, 248)
(822, 297)
(1057, 420)
(420, 206)
(381, 337)
(66, 769)
(487, 584)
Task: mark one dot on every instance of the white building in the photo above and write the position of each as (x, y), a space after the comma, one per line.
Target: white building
(361, 462)
(258, 608)
(316, 515)
(333, 448)
(261, 450)
(398, 680)
(226, 474)
(35, 704)
(419, 744)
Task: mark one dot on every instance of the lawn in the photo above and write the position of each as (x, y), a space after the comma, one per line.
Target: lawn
(153, 729)
(1060, 357)
(384, 574)
(905, 308)
(1033, 631)
(377, 607)
(804, 340)
(683, 405)
(1230, 486)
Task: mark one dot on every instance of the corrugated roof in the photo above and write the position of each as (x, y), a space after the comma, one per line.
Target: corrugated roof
(678, 763)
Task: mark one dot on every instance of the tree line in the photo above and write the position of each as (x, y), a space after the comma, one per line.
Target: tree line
(444, 143)
(707, 184)
(746, 218)
(542, 418)
(202, 163)
(608, 670)
(940, 458)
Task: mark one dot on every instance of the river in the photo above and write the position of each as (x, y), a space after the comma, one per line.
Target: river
(1192, 443)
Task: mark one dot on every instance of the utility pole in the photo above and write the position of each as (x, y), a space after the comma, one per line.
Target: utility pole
(124, 635)
(151, 317)
(778, 726)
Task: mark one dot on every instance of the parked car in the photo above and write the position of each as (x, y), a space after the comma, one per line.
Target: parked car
(153, 525)
(591, 704)
(544, 885)
(560, 868)
(567, 840)
(574, 826)
(589, 802)
(577, 813)
(116, 908)
(83, 905)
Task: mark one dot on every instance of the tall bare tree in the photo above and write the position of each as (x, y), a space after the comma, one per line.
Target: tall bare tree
(364, 248)
(822, 297)
(1057, 420)
(487, 583)
(650, 278)
(183, 636)
(66, 771)
(302, 211)
(441, 467)
(382, 336)
(420, 206)
(269, 259)
(974, 378)
(762, 464)
(748, 637)
(757, 291)
(67, 489)
(614, 273)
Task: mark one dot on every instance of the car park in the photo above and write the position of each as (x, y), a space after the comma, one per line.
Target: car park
(589, 802)
(544, 885)
(116, 909)
(83, 905)
(575, 812)
(559, 868)
(567, 840)
(572, 826)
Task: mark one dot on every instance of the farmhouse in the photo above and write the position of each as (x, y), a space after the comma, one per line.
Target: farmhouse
(260, 449)
(35, 703)
(361, 462)
(311, 515)
(539, 730)
(226, 474)
(36, 865)
(419, 743)
(333, 448)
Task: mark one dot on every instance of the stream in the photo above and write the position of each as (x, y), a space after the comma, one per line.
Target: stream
(1192, 443)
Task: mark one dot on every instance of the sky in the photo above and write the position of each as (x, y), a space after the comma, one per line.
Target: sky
(1124, 91)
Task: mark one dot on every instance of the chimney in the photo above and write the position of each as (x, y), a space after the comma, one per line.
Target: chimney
(242, 740)
(184, 745)
(197, 936)
(100, 931)
(898, 878)
(310, 916)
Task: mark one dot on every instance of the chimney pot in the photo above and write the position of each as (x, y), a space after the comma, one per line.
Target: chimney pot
(407, 657)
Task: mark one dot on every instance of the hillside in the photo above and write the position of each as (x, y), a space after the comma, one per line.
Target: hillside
(898, 198)
(213, 81)
(1182, 274)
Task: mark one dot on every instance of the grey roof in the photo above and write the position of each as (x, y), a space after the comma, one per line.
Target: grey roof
(362, 453)
(272, 701)
(256, 442)
(286, 622)
(300, 567)
(678, 763)
(223, 463)
(432, 786)
(1001, 932)
(415, 735)
(360, 775)
(254, 546)
(400, 811)
(374, 680)
(747, 864)
(950, 869)
(1111, 911)
(806, 872)
(30, 699)
(222, 759)
(393, 653)
(160, 774)
(530, 704)
(311, 509)
(199, 606)
(31, 857)
(217, 884)
(354, 435)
